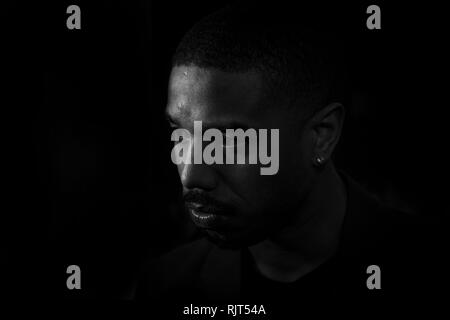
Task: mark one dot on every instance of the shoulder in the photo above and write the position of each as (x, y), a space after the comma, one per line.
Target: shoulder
(370, 225)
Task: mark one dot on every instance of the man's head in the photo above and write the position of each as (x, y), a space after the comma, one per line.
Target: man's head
(234, 70)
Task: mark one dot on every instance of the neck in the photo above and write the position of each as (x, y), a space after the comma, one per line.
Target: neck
(312, 238)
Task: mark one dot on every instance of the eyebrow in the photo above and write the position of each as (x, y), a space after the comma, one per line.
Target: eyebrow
(206, 126)
(223, 127)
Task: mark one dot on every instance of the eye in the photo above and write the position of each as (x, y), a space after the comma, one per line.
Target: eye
(172, 125)
(171, 122)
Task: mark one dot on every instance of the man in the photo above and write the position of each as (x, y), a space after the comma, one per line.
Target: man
(304, 233)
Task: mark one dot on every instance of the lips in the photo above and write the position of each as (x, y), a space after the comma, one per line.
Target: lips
(204, 208)
(205, 216)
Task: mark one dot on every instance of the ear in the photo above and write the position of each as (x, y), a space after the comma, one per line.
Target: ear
(327, 127)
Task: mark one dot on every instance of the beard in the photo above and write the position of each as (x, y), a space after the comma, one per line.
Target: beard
(247, 234)
(248, 228)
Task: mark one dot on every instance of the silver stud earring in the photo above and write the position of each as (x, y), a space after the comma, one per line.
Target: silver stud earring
(319, 160)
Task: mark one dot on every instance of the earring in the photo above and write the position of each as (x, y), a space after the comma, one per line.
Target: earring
(319, 160)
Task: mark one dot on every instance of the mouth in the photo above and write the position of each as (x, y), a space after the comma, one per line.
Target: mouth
(206, 217)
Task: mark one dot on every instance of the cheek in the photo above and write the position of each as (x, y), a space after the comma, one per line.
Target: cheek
(295, 163)
(244, 180)
(248, 183)
(180, 168)
(238, 176)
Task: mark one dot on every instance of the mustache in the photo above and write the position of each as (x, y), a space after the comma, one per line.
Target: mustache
(206, 203)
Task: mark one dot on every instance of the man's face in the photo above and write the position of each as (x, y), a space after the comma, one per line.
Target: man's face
(234, 203)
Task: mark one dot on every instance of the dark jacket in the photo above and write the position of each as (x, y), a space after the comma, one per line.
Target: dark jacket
(402, 245)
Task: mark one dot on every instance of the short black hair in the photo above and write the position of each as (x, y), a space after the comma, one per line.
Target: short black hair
(301, 64)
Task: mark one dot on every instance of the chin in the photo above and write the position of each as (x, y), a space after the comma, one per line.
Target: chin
(230, 241)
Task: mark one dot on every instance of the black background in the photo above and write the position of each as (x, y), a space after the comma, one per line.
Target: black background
(88, 173)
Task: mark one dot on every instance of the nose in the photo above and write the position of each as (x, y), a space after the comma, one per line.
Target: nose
(197, 176)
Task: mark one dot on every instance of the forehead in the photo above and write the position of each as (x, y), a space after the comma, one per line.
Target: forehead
(211, 95)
